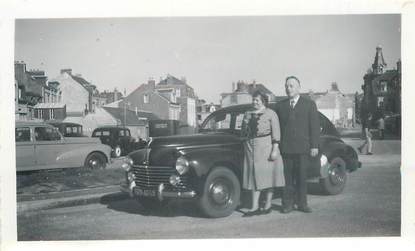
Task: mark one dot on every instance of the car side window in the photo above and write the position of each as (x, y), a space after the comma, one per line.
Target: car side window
(121, 133)
(46, 134)
(22, 134)
(127, 133)
(105, 133)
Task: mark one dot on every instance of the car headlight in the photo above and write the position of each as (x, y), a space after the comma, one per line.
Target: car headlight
(127, 163)
(323, 160)
(182, 165)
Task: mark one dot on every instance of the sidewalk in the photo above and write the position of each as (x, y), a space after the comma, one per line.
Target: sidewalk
(69, 198)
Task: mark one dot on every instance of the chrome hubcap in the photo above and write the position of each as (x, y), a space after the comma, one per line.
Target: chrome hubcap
(220, 194)
(336, 172)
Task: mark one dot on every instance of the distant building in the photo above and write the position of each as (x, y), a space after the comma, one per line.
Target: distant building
(76, 93)
(100, 99)
(204, 109)
(242, 93)
(178, 91)
(145, 98)
(339, 108)
(382, 88)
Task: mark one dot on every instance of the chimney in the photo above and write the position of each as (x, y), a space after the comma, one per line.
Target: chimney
(233, 86)
(152, 83)
(69, 71)
(254, 84)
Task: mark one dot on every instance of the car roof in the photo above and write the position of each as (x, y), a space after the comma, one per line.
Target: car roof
(110, 128)
(64, 123)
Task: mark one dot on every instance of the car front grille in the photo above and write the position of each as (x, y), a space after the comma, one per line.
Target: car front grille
(151, 177)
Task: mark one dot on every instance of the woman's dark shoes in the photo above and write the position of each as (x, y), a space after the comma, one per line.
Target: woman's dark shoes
(360, 149)
(369, 153)
(252, 213)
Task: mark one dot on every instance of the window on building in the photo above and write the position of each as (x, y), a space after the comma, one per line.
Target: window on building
(146, 99)
(22, 134)
(20, 93)
(384, 86)
(178, 92)
(380, 101)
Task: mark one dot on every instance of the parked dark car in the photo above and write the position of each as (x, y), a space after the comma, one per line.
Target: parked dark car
(68, 129)
(118, 138)
(207, 167)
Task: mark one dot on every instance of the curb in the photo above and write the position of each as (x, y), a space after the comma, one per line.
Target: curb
(72, 198)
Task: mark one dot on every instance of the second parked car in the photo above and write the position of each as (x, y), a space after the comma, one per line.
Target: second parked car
(118, 138)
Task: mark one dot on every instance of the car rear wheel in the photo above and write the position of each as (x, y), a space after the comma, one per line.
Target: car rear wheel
(335, 182)
(95, 161)
(221, 193)
(117, 151)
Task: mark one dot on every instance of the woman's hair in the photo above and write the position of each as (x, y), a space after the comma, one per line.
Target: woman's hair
(264, 98)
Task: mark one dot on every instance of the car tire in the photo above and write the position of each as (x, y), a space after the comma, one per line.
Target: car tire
(336, 180)
(221, 193)
(117, 151)
(95, 161)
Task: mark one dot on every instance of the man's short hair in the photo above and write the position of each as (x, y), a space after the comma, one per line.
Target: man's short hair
(292, 77)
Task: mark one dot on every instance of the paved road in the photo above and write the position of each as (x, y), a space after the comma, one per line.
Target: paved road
(369, 206)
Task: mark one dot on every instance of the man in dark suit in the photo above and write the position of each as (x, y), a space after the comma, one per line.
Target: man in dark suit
(300, 132)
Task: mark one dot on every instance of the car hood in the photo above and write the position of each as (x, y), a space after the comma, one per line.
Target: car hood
(208, 138)
(82, 140)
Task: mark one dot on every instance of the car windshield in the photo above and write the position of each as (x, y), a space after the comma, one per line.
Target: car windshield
(223, 122)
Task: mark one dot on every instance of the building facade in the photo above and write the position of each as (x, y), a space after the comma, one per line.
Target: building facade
(242, 93)
(382, 88)
(146, 99)
(178, 91)
(75, 94)
(203, 109)
(29, 90)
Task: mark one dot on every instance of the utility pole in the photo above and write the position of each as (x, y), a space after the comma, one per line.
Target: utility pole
(125, 113)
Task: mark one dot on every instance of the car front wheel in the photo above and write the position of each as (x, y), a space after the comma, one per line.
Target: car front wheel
(221, 193)
(95, 161)
(335, 182)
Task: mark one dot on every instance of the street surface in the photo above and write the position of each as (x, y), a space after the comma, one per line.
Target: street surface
(369, 206)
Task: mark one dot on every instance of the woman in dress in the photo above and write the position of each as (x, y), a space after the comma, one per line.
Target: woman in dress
(263, 166)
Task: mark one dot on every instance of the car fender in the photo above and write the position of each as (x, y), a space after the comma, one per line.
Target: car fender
(77, 156)
(347, 152)
(203, 160)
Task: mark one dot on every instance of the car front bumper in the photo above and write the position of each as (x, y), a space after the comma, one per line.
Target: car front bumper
(160, 193)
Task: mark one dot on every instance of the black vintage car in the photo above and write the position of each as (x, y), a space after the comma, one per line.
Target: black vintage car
(207, 167)
(118, 138)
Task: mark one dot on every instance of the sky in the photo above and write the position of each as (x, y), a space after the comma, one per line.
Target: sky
(212, 52)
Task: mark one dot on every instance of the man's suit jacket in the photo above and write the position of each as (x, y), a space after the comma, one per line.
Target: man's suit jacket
(300, 127)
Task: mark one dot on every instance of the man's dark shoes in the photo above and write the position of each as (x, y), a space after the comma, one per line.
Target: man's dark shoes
(360, 149)
(286, 210)
(266, 211)
(305, 209)
(252, 213)
(369, 153)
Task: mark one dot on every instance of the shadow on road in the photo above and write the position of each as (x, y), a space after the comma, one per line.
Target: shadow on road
(169, 209)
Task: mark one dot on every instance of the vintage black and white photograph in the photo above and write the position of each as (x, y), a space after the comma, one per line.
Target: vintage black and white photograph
(208, 127)
(183, 124)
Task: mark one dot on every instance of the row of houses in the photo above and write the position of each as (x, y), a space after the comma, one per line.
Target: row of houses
(70, 97)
